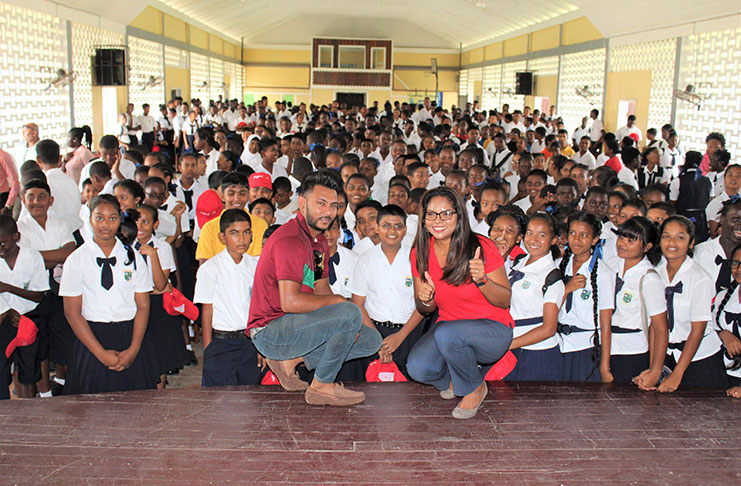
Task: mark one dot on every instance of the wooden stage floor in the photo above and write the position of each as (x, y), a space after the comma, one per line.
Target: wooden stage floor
(526, 434)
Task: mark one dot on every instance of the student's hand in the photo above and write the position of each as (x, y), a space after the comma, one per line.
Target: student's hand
(426, 290)
(606, 375)
(391, 343)
(261, 362)
(385, 357)
(476, 266)
(578, 281)
(148, 251)
(126, 357)
(647, 380)
(734, 392)
(670, 383)
(109, 358)
(179, 209)
(731, 343)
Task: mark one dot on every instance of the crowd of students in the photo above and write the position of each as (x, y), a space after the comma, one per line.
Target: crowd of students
(613, 263)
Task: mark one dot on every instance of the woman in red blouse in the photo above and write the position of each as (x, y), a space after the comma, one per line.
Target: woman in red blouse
(462, 275)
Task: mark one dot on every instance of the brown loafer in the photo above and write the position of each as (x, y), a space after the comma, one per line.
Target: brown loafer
(340, 397)
(289, 382)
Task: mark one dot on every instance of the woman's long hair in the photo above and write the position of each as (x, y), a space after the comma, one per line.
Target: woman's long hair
(463, 242)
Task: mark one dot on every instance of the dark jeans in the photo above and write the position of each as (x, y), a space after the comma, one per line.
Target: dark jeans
(460, 352)
(325, 338)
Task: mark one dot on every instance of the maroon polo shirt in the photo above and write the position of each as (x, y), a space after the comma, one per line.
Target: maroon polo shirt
(291, 253)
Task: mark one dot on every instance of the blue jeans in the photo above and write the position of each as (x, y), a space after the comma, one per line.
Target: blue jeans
(460, 352)
(325, 338)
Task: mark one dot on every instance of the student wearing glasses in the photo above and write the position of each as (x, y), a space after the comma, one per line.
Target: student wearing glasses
(294, 317)
(462, 275)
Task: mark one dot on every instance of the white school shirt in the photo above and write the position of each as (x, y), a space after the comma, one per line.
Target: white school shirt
(628, 302)
(581, 314)
(705, 255)
(126, 167)
(693, 304)
(712, 211)
(579, 133)
(524, 204)
(286, 213)
(499, 157)
(718, 180)
(481, 228)
(586, 159)
(164, 253)
(55, 235)
(537, 147)
(672, 159)
(67, 197)
(595, 131)
(29, 273)
(198, 188)
(388, 288)
(626, 131)
(412, 223)
(350, 218)
(147, 123)
(212, 162)
(278, 171)
(168, 222)
(86, 232)
(363, 245)
(725, 321)
(343, 271)
(250, 159)
(609, 245)
(228, 287)
(82, 276)
(627, 176)
(528, 299)
(436, 180)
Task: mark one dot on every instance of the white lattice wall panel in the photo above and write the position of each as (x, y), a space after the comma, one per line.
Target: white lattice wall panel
(84, 40)
(146, 59)
(463, 83)
(32, 47)
(176, 58)
(234, 72)
(509, 81)
(657, 57)
(711, 57)
(476, 74)
(216, 85)
(492, 88)
(198, 76)
(544, 66)
(577, 70)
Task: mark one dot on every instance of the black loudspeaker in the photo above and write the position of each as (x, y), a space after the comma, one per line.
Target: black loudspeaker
(524, 85)
(109, 67)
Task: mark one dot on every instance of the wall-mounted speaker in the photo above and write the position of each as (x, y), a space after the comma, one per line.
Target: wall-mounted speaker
(524, 85)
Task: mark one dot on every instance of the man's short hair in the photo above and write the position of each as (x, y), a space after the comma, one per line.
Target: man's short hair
(47, 152)
(321, 178)
(389, 210)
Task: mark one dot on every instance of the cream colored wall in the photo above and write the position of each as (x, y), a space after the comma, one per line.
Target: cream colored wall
(150, 19)
(176, 78)
(628, 85)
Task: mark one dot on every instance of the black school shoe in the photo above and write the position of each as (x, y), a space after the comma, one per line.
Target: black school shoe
(56, 389)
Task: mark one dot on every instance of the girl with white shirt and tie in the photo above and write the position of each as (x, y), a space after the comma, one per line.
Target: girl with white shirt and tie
(694, 353)
(727, 320)
(637, 354)
(105, 286)
(537, 294)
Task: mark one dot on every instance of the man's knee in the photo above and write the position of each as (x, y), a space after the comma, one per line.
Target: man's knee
(352, 317)
(372, 339)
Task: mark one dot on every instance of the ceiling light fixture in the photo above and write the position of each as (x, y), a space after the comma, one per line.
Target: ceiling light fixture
(480, 3)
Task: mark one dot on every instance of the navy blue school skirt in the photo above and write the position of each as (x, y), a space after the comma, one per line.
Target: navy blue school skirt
(708, 372)
(166, 335)
(625, 367)
(537, 365)
(231, 362)
(88, 375)
(579, 366)
(55, 334)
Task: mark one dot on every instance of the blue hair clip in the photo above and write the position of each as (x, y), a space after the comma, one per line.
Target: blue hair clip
(596, 254)
(734, 198)
(312, 146)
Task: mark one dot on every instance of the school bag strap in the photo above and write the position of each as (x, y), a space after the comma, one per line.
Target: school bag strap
(505, 159)
(553, 276)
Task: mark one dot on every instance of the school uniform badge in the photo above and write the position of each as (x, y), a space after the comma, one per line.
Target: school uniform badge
(128, 275)
(526, 284)
(408, 282)
(585, 294)
(627, 298)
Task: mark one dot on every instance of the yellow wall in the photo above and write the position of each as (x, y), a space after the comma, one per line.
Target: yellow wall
(150, 19)
(544, 86)
(232, 50)
(493, 51)
(215, 44)
(176, 29)
(579, 30)
(281, 56)
(275, 77)
(420, 59)
(545, 38)
(177, 78)
(198, 37)
(629, 85)
(516, 46)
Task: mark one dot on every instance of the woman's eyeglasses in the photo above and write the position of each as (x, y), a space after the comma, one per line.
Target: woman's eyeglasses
(446, 215)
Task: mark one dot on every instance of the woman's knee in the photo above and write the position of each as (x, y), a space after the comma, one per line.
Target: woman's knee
(446, 336)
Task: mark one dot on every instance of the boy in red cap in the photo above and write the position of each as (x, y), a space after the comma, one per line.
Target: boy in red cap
(261, 186)
(235, 191)
(23, 282)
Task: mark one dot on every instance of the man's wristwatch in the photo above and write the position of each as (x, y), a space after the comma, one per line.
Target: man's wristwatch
(483, 282)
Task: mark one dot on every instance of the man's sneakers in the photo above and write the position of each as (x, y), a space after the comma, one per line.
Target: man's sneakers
(339, 396)
(289, 381)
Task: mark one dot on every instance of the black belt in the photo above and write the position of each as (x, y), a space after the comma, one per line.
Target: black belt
(389, 324)
(530, 321)
(565, 329)
(215, 334)
(623, 330)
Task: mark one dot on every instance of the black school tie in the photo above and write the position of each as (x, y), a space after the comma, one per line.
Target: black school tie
(570, 295)
(515, 275)
(724, 275)
(669, 295)
(619, 282)
(138, 245)
(735, 320)
(334, 260)
(188, 193)
(106, 275)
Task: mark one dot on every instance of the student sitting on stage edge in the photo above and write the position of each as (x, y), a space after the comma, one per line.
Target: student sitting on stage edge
(224, 287)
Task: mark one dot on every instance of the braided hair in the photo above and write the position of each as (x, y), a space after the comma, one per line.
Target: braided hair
(726, 298)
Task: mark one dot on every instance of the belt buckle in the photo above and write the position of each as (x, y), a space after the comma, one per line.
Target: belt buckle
(565, 329)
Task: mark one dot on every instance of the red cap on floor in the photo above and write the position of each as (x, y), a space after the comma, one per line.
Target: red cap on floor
(175, 304)
(378, 371)
(27, 331)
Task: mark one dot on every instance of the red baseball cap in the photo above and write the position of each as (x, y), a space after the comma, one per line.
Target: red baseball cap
(383, 372)
(270, 379)
(175, 304)
(634, 136)
(26, 335)
(261, 179)
(209, 206)
(502, 368)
